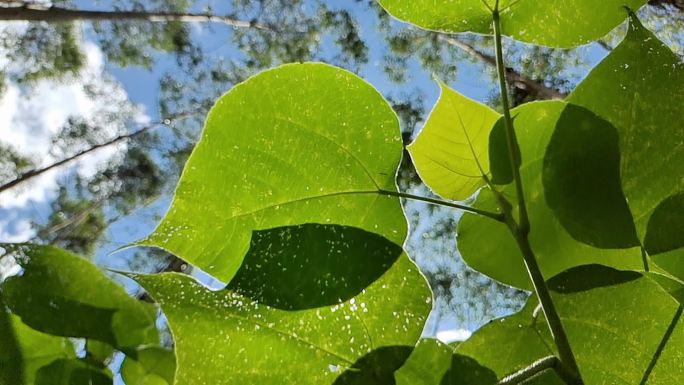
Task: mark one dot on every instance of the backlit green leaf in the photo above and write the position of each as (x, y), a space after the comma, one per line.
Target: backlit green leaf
(223, 337)
(23, 350)
(565, 23)
(11, 359)
(151, 366)
(72, 372)
(499, 156)
(622, 326)
(97, 351)
(433, 363)
(451, 151)
(638, 89)
(581, 178)
(520, 346)
(665, 229)
(488, 246)
(428, 363)
(62, 294)
(302, 143)
(672, 262)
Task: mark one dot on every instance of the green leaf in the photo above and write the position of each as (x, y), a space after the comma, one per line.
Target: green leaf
(302, 143)
(223, 337)
(499, 158)
(23, 350)
(581, 180)
(666, 226)
(668, 282)
(376, 367)
(519, 338)
(488, 246)
(72, 372)
(672, 262)
(11, 359)
(309, 266)
(433, 363)
(637, 88)
(622, 326)
(62, 294)
(152, 366)
(451, 152)
(428, 363)
(565, 23)
(98, 352)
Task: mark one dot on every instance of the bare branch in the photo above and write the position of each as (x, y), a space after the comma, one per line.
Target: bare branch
(512, 76)
(57, 14)
(36, 172)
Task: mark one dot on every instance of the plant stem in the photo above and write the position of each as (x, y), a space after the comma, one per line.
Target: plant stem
(521, 229)
(496, 216)
(511, 141)
(553, 320)
(535, 368)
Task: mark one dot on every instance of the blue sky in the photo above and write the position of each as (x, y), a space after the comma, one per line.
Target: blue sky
(142, 86)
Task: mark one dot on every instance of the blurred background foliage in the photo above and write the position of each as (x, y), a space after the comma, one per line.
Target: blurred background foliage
(188, 65)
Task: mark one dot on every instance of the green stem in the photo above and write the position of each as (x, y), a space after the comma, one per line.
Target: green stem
(511, 141)
(534, 369)
(521, 229)
(553, 320)
(644, 258)
(496, 216)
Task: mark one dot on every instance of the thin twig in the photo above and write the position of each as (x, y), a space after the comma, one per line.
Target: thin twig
(57, 14)
(24, 177)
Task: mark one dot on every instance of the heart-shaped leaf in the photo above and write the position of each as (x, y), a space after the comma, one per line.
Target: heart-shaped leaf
(627, 90)
(223, 337)
(488, 246)
(451, 151)
(581, 177)
(302, 143)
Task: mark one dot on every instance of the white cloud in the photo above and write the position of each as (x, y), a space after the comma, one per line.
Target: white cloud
(453, 335)
(8, 266)
(31, 114)
(15, 229)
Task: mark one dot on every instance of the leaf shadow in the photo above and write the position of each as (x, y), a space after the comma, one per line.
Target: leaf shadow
(376, 367)
(312, 265)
